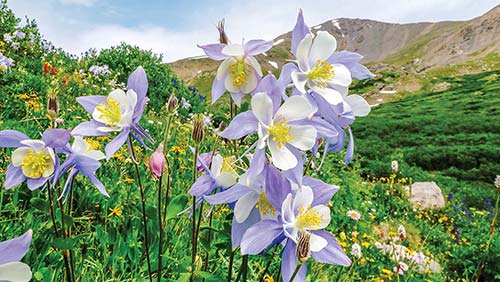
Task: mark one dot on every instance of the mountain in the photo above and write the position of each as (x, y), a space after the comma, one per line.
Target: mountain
(415, 46)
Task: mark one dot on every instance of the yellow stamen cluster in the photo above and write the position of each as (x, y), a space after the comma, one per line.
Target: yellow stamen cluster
(309, 218)
(36, 163)
(321, 74)
(109, 112)
(227, 165)
(265, 208)
(239, 72)
(280, 132)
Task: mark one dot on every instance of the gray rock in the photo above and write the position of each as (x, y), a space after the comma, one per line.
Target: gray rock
(425, 195)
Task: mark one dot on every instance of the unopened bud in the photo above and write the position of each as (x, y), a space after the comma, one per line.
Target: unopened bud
(394, 166)
(222, 33)
(497, 182)
(198, 128)
(172, 103)
(198, 263)
(53, 106)
(303, 252)
(157, 162)
(222, 126)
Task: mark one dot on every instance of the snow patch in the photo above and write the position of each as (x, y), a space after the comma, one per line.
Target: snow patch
(279, 41)
(336, 24)
(274, 64)
(317, 27)
(387, 91)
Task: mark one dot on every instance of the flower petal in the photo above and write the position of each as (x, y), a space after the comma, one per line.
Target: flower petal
(214, 51)
(262, 107)
(56, 138)
(255, 65)
(224, 68)
(225, 179)
(233, 50)
(358, 104)
(15, 249)
(332, 96)
(277, 187)
(304, 136)
(324, 212)
(299, 32)
(259, 236)
(138, 82)
(257, 46)
(342, 75)
(332, 253)
(281, 156)
(322, 48)
(299, 80)
(116, 143)
(317, 243)
(13, 177)
(303, 53)
(218, 88)
(245, 205)
(295, 108)
(230, 195)
(323, 192)
(19, 154)
(239, 229)
(289, 263)
(11, 138)
(303, 199)
(90, 102)
(34, 184)
(241, 125)
(202, 185)
(15, 271)
(89, 128)
(251, 84)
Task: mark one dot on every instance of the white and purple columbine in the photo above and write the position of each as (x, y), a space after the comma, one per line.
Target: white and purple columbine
(118, 112)
(11, 252)
(239, 72)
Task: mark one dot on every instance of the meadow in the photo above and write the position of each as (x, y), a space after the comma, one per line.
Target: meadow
(450, 137)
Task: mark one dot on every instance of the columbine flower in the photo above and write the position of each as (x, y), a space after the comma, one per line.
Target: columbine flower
(81, 158)
(356, 250)
(185, 103)
(304, 213)
(119, 112)
(11, 252)
(354, 215)
(33, 161)
(157, 161)
(276, 128)
(220, 174)
(240, 72)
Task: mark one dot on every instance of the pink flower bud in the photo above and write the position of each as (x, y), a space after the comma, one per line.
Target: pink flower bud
(157, 162)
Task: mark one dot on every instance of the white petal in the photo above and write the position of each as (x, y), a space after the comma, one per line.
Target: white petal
(299, 80)
(255, 64)
(342, 75)
(80, 146)
(317, 243)
(19, 154)
(109, 129)
(358, 105)
(262, 137)
(130, 101)
(216, 165)
(228, 83)
(303, 198)
(49, 170)
(35, 144)
(332, 96)
(322, 48)
(224, 67)
(294, 108)
(251, 83)
(282, 157)
(304, 136)
(15, 272)
(303, 52)
(262, 107)
(287, 215)
(126, 120)
(95, 154)
(245, 205)
(234, 50)
(324, 211)
(225, 179)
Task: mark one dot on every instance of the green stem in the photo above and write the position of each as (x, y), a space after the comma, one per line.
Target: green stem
(245, 268)
(144, 219)
(167, 191)
(193, 215)
(230, 268)
(160, 225)
(295, 271)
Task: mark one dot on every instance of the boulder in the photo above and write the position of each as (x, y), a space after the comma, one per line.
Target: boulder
(425, 195)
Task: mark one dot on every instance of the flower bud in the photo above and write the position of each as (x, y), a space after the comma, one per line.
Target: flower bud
(222, 126)
(303, 252)
(497, 182)
(394, 166)
(53, 106)
(157, 162)
(222, 33)
(198, 128)
(172, 103)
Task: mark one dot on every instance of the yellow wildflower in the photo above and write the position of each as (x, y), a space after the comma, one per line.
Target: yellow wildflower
(268, 278)
(365, 245)
(129, 180)
(115, 211)
(177, 149)
(23, 96)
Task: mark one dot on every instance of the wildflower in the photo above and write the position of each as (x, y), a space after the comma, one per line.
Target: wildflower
(177, 149)
(276, 128)
(394, 166)
(354, 214)
(217, 175)
(33, 161)
(497, 182)
(129, 180)
(19, 34)
(185, 103)
(98, 70)
(172, 103)
(239, 73)
(116, 211)
(119, 112)
(356, 250)
(304, 213)
(157, 162)
(11, 252)
(402, 232)
(81, 158)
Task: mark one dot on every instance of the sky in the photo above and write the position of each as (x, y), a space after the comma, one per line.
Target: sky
(174, 28)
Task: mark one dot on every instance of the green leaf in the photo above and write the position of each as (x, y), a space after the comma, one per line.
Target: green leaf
(39, 204)
(176, 205)
(63, 243)
(209, 276)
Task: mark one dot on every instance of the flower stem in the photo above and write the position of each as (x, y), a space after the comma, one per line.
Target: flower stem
(160, 225)
(295, 271)
(230, 268)
(193, 215)
(144, 219)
